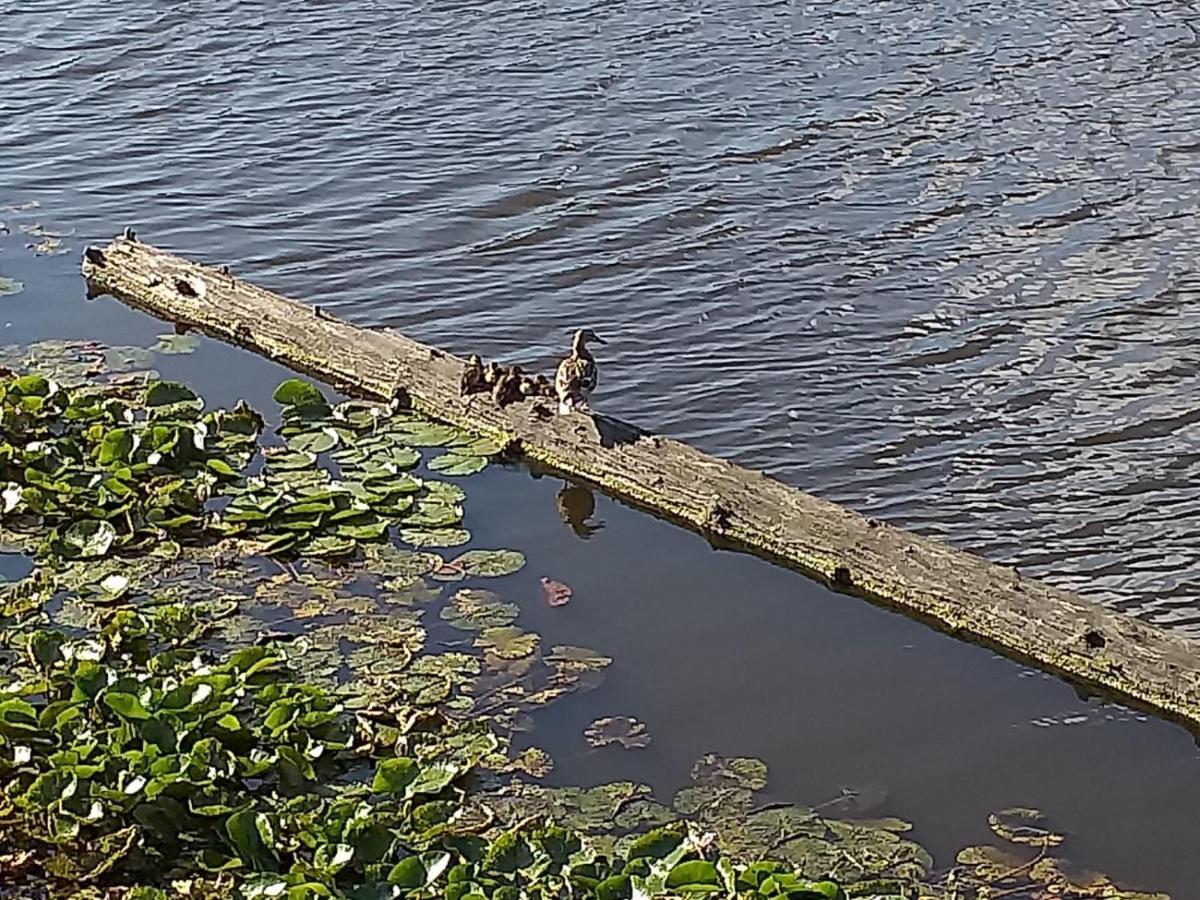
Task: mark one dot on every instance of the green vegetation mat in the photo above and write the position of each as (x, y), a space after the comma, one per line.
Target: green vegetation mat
(217, 680)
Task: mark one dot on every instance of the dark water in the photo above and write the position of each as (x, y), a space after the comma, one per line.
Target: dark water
(937, 261)
(721, 652)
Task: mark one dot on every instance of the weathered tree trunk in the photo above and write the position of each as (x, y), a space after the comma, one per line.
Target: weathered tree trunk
(735, 507)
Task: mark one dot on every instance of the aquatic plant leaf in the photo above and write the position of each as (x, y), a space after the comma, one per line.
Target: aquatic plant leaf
(405, 566)
(395, 775)
(739, 771)
(569, 657)
(507, 641)
(624, 730)
(435, 537)
(427, 434)
(246, 829)
(298, 392)
(456, 464)
(173, 344)
(10, 286)
(1024, 825)
(555, 592)
(490, 563)
(327, 545)
(89, 538)
(444, 492)
(694, 874)
(643, 813)
(433, 515)
(128, 359)
(317, 442)
(474, 610)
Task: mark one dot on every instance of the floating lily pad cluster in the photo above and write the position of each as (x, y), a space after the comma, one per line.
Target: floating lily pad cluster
(180, 716)
(366, 490)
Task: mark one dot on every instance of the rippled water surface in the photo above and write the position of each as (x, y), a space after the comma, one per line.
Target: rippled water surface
(938, 261)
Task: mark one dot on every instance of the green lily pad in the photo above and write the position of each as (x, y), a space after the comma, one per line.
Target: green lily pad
(474, 610)
(403, 566)
(300, 393)
(624, 730)
(173, 344)
(739, 771)
(435, 537)
(456, 464)
(507, 642)
(427, 434)
(89, 538)
(1024, 825)
(490, 563)
(314, 442)
(565, 656)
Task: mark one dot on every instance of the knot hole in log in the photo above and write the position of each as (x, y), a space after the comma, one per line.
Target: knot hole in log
(842, 577)
(1094, 640)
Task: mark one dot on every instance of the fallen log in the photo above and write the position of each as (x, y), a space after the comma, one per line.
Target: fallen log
(733, 506)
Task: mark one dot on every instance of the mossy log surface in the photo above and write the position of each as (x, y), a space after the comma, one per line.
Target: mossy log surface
(735, 507)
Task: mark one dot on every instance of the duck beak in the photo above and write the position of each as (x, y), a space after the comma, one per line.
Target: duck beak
(598, 339)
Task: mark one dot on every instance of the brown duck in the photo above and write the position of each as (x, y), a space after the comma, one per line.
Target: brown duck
(575, 378)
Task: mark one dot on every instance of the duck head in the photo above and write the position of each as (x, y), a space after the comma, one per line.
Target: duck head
(583, 336)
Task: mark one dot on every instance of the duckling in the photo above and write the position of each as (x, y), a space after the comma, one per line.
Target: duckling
(543, 386)
(575, 378)
(528, 387)
(472, 376)
(491, 374)
(508, 386)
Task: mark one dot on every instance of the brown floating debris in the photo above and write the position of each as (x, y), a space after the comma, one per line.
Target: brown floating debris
(965, 594)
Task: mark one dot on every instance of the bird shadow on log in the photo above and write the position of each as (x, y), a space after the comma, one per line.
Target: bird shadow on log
(613, 433)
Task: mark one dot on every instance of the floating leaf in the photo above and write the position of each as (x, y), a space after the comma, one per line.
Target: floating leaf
(473, 610)
(555, 592)
(456, 464)
(89, 538)
(170, 393)
(624, 730)
(739, 771)
(428, 434)
(507, 642)
(490, 563)
(315, 442)
(435, 537)
(10, 286)
(298, 392)
(173, 344)
(568, 657)
(1024, 825)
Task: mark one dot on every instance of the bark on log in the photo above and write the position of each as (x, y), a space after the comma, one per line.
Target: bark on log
(735, 507)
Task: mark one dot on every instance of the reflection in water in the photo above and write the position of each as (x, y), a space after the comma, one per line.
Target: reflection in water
(576, 506)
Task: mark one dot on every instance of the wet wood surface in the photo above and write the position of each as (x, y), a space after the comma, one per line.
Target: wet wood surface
(733, 506)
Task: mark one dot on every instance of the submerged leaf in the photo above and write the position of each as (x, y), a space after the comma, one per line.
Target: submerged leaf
(555, 592)
(172, 344)
(624, 730)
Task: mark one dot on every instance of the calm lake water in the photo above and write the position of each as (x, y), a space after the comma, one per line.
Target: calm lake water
(934, 261)
(722, 652)
(937, 261)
